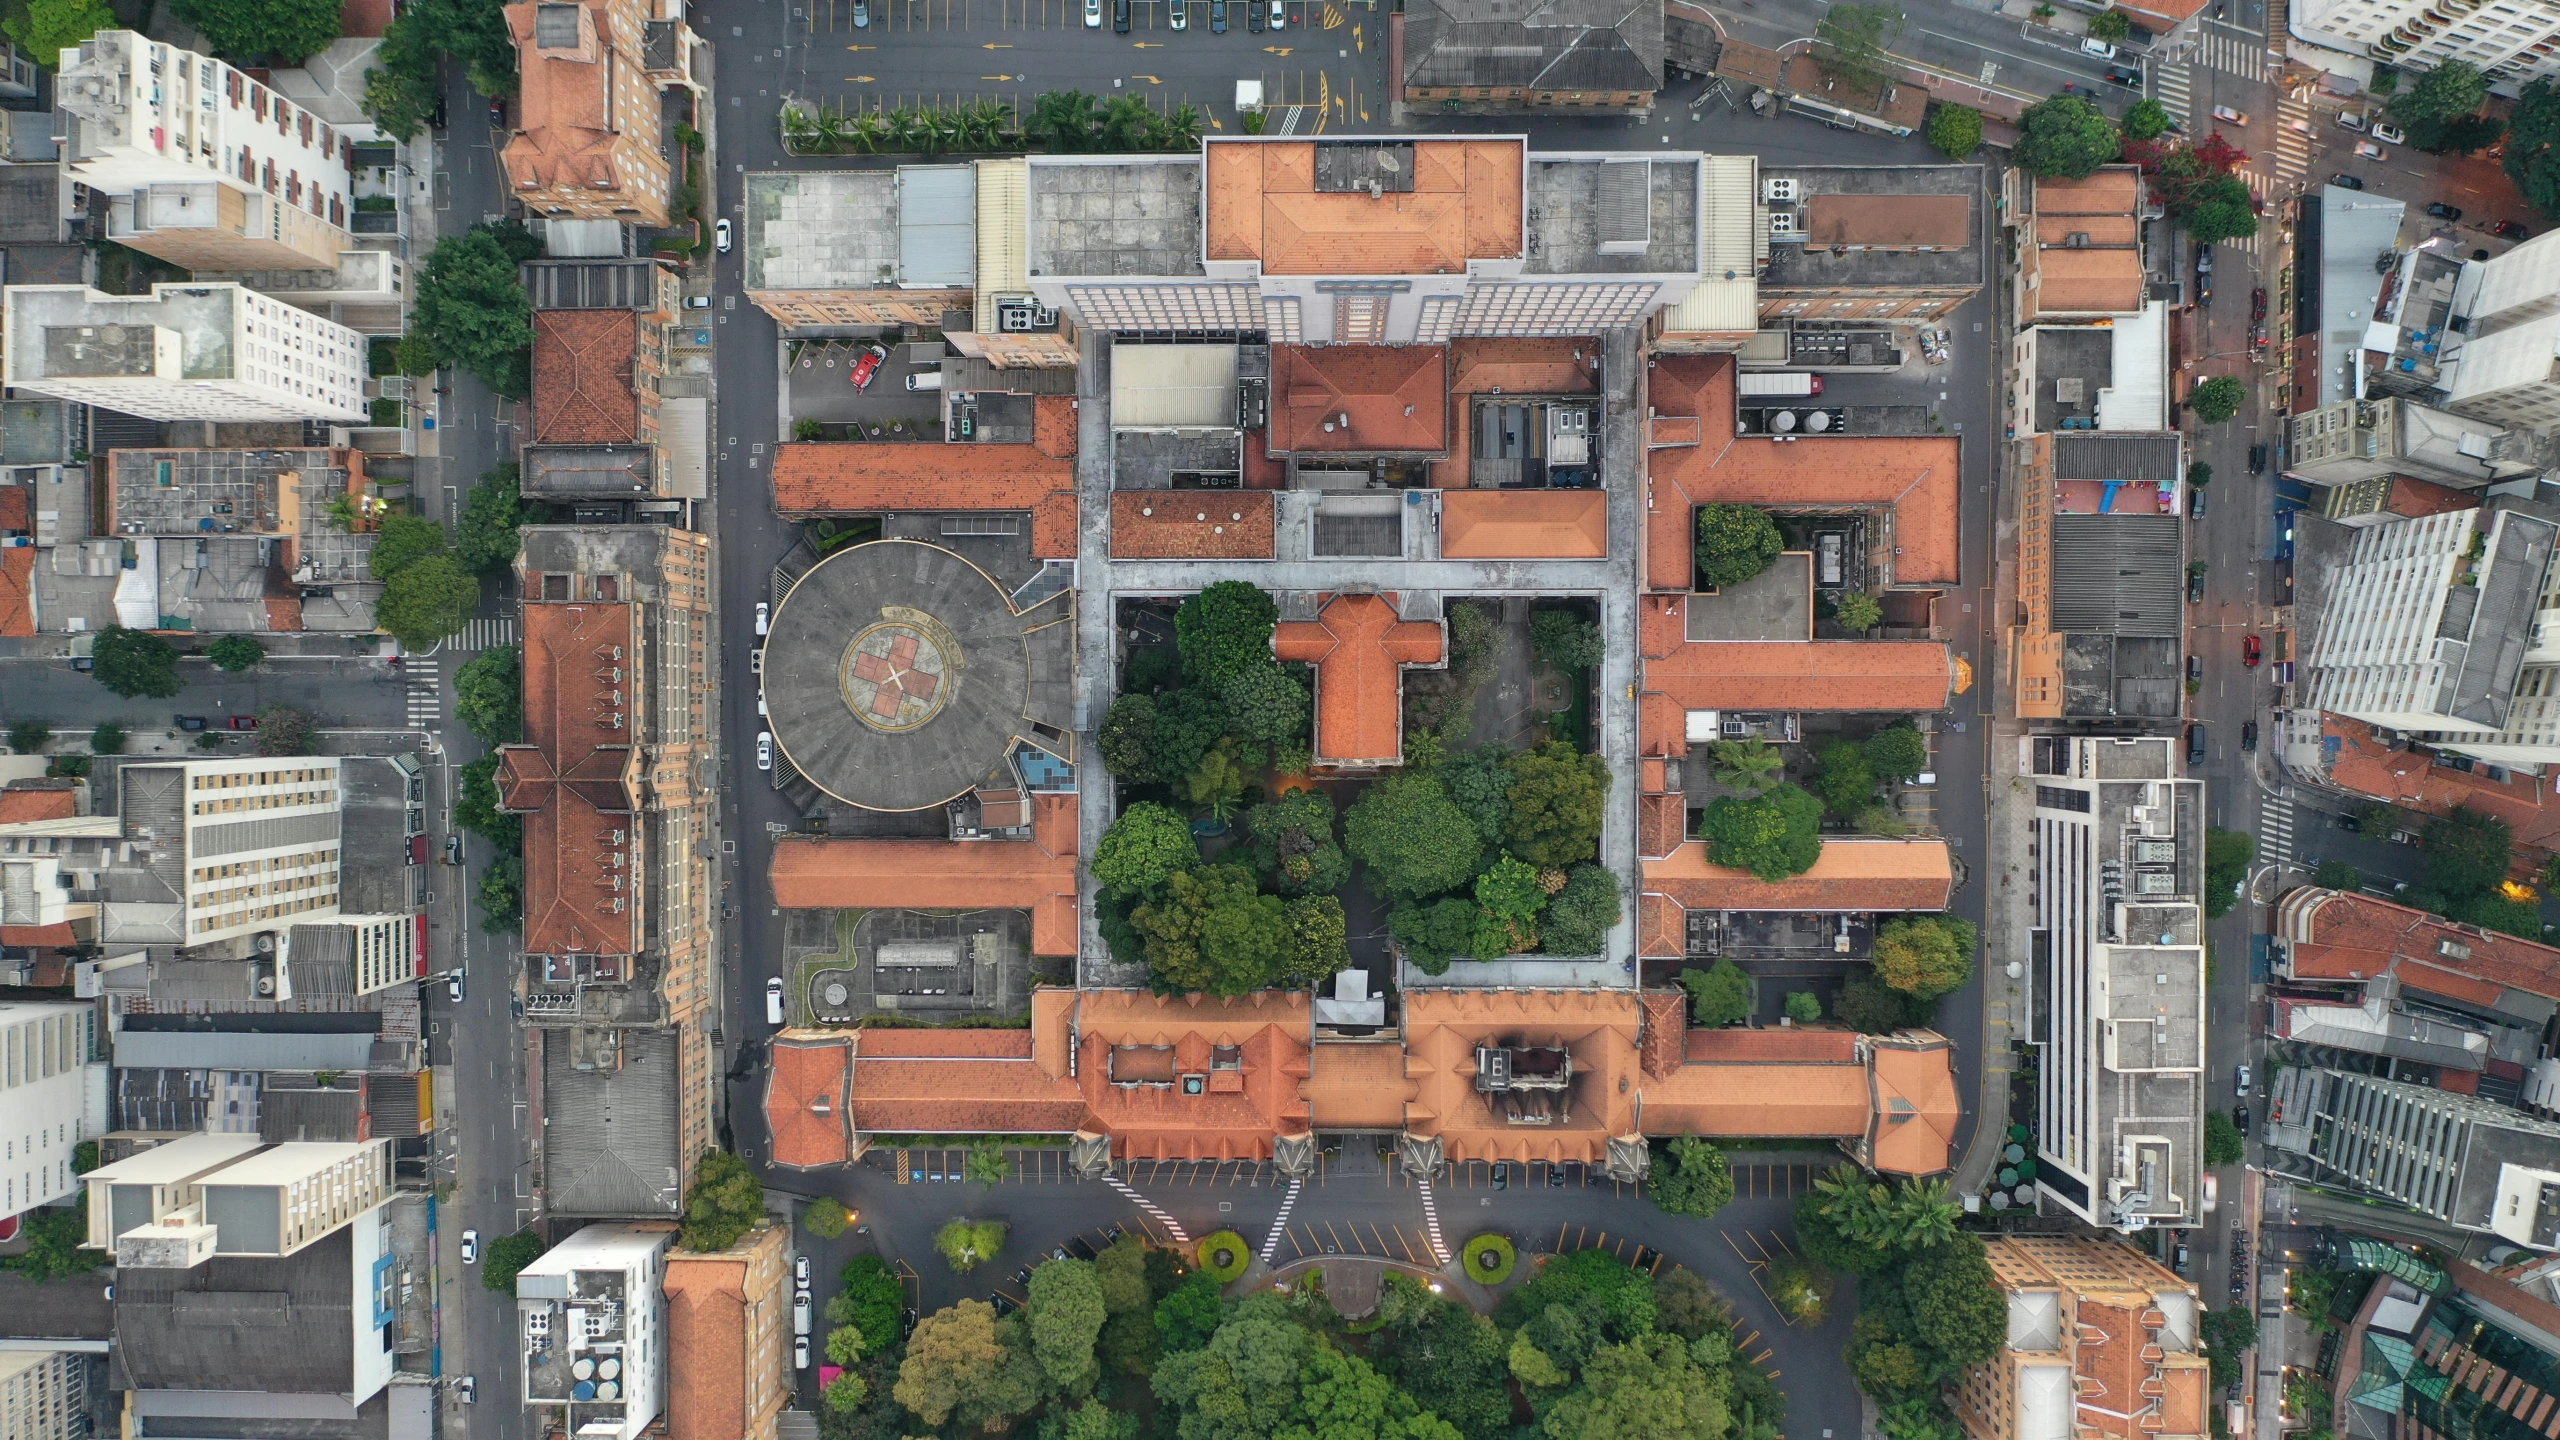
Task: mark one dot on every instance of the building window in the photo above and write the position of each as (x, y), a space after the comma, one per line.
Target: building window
(2056, 797)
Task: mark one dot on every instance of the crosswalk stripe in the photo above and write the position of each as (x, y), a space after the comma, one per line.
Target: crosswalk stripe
(487, 632)
(426, 703)
(1431, 1220)
(2172, 86)
(2275, 827)
(1143, 1203)
(1279, 1222)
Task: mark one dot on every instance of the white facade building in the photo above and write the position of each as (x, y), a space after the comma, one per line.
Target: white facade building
(204, 165)
(2117, 1000)
(53, 1095)
(258, 840)
(183, 352)
(593, 1318)
(2427, 624)
(2512, 41)
(2502, 355)
(44, 1394)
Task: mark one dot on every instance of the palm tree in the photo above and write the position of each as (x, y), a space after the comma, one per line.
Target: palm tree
(866, 132)
(834, 128)
(1752, 765)
(800, 129)
(1062, 121)
(904, 128)
(1856, 1207)
(989, 124)
(1924, 1214)
(1124, 123)
(1182, 129)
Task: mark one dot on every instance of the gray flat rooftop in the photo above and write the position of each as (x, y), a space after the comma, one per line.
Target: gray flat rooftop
(171, 492)
(1776, 604)
(2119, 574)
(2128, 455)
(1112, 217)
(2073, 363)
(1577, 206)
(822, 230)
(1798, 266)
(2134, 677)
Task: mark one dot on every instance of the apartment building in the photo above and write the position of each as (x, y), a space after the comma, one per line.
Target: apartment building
(2102, 1342)
(258, 839)
(2349, 442)
(590, 142)
(230, 1195)
(729, 1338)
(592, 1316)
(1871, 243)
(53, 1095)
(201, 164)
(604, 436)
(183, 352)
(2426, 996)
(2117, 997)
(2080, 245)
(2426, 626)
(44, 1394)
(2463, 1160)
(2512, 42)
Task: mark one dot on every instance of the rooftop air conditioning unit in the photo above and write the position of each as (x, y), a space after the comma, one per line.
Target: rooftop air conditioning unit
(1779, 187)
(1782, 222)
(1015, 317)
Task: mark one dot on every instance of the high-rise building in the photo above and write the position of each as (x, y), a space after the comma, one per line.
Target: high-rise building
(2472, 1163)
(44, 1394)
(183, 352)
(2511, 44)
(256, 839)
(592, 1316)
(2373, 440)
(2117, 1000)
(53, 1095)
(201, 164)
(2102, 1346)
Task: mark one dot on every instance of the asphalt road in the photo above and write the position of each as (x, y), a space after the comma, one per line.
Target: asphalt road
(1969, 43)
(339, 693)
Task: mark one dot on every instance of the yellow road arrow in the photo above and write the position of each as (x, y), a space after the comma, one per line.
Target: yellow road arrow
(991, 45)
(1278, 49)
(859, 79)
(862, 47)
(1147, 44)
(1150, 79)
(999, 77)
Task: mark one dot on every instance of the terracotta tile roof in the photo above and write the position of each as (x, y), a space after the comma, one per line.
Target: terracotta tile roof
(18, 806)
(2110, 190)
(1662, 928)
(1914, 478)
(2087, 282)
(1802, 1101)
(364, 19)
(1662, 822)
(962, 1095)
(1852, 875)
(2367, 764)
(1465, 204)
(1912, 1129)
(1359, 649)
(1666, 1027)
(16, 510)
(885, 1042)
(582, 378)
(1524, 524)
(1254, 1093)
(1193, 525)
(1053, 426)
(2416, 498)
(805, 1105)
(48, 936)
(872, 478)
(707, 1321)
(1396, 395)
(1908, 106)
(2338, 936)
(1524, 366)
(2105, 232)
(567, 136)
(1890, 222)
(1599, 1029)
(1888, 676)
(18, 592)
(1357, 1085)
(576, 779)
(1039, 876)
(1789, 1045)
(284, 613)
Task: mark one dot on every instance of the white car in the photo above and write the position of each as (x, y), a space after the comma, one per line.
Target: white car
(2229, 116)
(1279, 16)
(799, 1352)
(764, 617)
(799, 1263)
(2098, 49)
(764, 751)
(470, 1247)
(453, 985)
(1093, 14)
(2371, 151)
(720, 236)
(2390, 135)
(470, 1388)
(773, 1016)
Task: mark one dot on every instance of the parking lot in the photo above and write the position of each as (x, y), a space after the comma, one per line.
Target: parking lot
(1324, 67)
(822, 389)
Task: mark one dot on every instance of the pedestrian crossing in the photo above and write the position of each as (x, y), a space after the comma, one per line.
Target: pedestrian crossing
(426, 701)
(2292, 159)
(1280, 1221)
(1431, 1220)
(487, 632)
(2275, 829)
(2233, 52)
(1154, 1211)
(2173, 85)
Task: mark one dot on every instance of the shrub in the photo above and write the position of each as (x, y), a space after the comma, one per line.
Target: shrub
(28, 737)
(283, 731)
(505, 1256)
(1225, 1257)
(1858, 610)
(1489, 1258)
(968, 1244)
(807, 429)
(1800, 1289)
(1719, 995)
(235, 652)
(826, 1219)
(1955, 131)
(107, 739)
(1804, 1007)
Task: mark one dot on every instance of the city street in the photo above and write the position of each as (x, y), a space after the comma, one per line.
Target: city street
(350, 692)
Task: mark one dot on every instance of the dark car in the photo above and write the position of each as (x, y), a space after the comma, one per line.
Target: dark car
(2195, 743)
(2258, 459)
(497, 114)
(2195, 502)
(2249, 735)
(1082, 1248)
(2195, 587)
(2348, 823)
(2125, 75)
(1253, 16)
(2240, 1117)
(2258, 303)
(1119, 17)
(1005, 1304)
(2510, 230)
(2345, 181)
(191, 722)
(2442, 211)
(1022, 1276)
(1217, 17)
(2195, 667)
(2204, 288)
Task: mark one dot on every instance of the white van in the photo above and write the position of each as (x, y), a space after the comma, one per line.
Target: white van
(924, 379)
(773, 1001)
(800, 1316)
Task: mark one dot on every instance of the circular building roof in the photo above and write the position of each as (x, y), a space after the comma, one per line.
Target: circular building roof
(897, 675)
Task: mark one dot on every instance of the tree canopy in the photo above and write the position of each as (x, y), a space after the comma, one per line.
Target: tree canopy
(1851, 43)
(2441, 97)
(472, 307)
(2465, 853)
(1557, 797)
(485, 538)
(246, 32)
(488, 695)
(507, 1255)
(401, 541)
(2533, 146)
(46, 28)
(1773, 835)
(1690, 1177)
(235, 652)
(1955, 131)
(1897, 752)
(2227, 854)
(1578, 917)
(1214, 931)
(1224, 630)
(1065, 1318)
(1292, 845)
(1719, 994)
(725, 1203)
(2217, 400)
(1413, 840)
(427, 601)
(1143, 848)
(1925, 955)
(1736, 542)
(2064, 136)
(1565, 640)
(136, 664)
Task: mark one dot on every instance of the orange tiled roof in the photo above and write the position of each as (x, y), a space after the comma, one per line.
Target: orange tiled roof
(1524, 366)
(1599, 1029)
(1798, 1100)
(1193, 525)
(18, 806)
(805, 1105)
(18, 592)
(1911, 1129)
(1662, 821)
(1465, 204)
(16, 510)
(1038, 876)
(2338, 936)
(1357, 1085)
(2367, 764)
(1914, 478)
(1788, 1045)
(1359, 649)
(1396, 395)
(1896, 222)
(872, 478)
(2415, 498)
(965, 1094)
(582, 378)
(2087, 282)
(567, 136)
(708, 1363)
(576, 779)
(1877, 875)
(1666, 1025)
(1662, 928)
(1524, 524)
(40, 936)
(1871, 675)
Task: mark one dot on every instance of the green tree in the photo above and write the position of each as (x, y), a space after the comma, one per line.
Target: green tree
(1266, 703)
(1690, 1177)
(1893, 1219)
(2533, 146)
(2227, 854)
(1534, 1368)
(1719, 994)
(1190, 1313)
(500, 896)
(2452, 91)
(1858, 610)
(1648, 1388)
(1773, 836)
(1955, 131)
(967, 1244)
(2227, 1334)
(475, 806)
(844, 1345)
(844, 1394)
(1092, 1420)
(46, 28)
(488, 695)
(1851, 44)
(1752, 765)
(53, 1239)
(1565, 640)
(1479, 783)
(1343, 1397)
(1800, 1289)
(2223, 1143)
(1925, 956)
(2466, 853)
(2216, 400)
(247, 32)
(1897, 752)
(1223, 630)
(1435, 932)
(1820, 1239)
(825, 1218)
(235, 652)
(106, 738)
(958, 1365)
(505, 1256)
(136, 664)
(427, 602)
(485, 538)
(870, 1299)
(1736, 542)
(1292, 845)
(1803, 1007)
(1187, 723)
(1957, 1302)
(472, 308)
(1127, 739)
(1557, 798)
(1578, 918)
(282, 731)
(2110, 25)
(2338, 875)
(1065, 1317)
(987, 1163)
(402, 541)
(1845, 781)
(2065, 136)
(726, 1202)
(1143, 849)
(1244, 1380)
(1413, 840)
(2146, 120)
(1214, 932)
(2218, 209)
(1319, 940)
(28, 737)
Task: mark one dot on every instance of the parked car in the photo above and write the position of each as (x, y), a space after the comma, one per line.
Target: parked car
(453, 848)
(1180, 16)
(764, 617)
(773, 1001)
(497, 114)
(2240, 1081)
(861, 14)
(2240, 1118)
(1217, 17)
(2389, 135)
(470, 1247)
(191, 722)
(2097, 48)
(800, 1272)
(1093, 14)
(2258, 458)
(453, 984)
(2510, 230)
(1082, 1248)
(2249, 651)
(2204, 258)
(1279, 16)
(1003, 1304)
(2351, 119)
(2371, 151)
(2195, 667)
(873, 356)
(244, 722)
(721, 235)
(1119, 17)
(2345, 181)
(799, 1352)
(2229, 116)
(2442, 211)
(469, 1388)
(2126, 75)
(2249, 735)
(2195, 743)
(764, 750)
(697, 302)
(2180, 1260)
(2195, 502)
(2195, 587)
(1253, 15)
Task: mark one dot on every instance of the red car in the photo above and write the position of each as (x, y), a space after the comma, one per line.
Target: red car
(2249, 651)
(2258, 304)
(868, 366)
(244, 722)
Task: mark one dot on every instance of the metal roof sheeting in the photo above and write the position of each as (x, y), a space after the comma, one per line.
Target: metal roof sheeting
(1004, 234)
(937, 226)
(683, 443)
